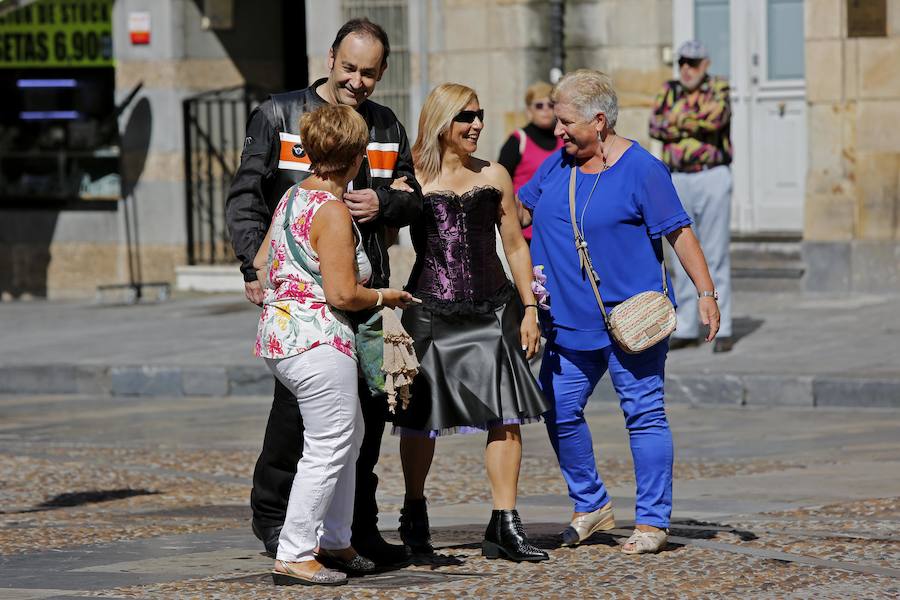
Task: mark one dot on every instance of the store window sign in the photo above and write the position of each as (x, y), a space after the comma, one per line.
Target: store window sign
(139, 28)
(57, 33)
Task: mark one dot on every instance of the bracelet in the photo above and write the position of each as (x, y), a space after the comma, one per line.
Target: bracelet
(531, 306)
(380, 300)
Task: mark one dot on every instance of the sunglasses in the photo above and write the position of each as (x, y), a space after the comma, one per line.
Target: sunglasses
(691, 62)
(542, 105)
(469, 116)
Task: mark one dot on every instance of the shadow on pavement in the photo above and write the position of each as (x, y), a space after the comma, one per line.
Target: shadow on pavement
(742, 327)
(70, 499)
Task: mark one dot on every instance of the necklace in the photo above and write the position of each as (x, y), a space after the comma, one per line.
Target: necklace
(591, 195)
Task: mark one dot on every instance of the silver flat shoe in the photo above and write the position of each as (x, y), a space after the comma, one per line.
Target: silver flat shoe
(646, 542)
(583, 527)
(283, 574)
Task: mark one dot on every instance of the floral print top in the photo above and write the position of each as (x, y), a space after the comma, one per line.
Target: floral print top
(694, 127)
(295, 316)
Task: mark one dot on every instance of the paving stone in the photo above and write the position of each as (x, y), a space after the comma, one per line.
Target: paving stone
(145, 381)
(250, 381)
(93, 379)
(705, 389)
(218, 333)
(771, 390)
(857, 392)
(210, 381)
(827, 266)
(38, 379)
(160, 516)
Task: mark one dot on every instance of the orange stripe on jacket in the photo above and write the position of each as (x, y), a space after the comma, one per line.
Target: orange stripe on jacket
(382, 159)
(287, 153)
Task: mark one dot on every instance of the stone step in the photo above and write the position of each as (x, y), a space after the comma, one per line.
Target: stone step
(765, 284)
(209, 278)
(767, 262)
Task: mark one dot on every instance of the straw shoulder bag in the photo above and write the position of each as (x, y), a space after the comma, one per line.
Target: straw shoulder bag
(641, 321)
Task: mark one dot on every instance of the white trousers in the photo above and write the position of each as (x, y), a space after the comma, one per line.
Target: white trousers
(706, 196)
(320, 506)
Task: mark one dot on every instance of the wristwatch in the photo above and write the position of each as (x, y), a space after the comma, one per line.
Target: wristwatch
(713, 294)
(380, 300)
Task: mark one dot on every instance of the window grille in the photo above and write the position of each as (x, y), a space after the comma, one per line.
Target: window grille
(392, 15)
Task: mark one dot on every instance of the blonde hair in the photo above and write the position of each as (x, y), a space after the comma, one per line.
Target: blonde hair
(591, 92)
(333, 136)
(442, 104)
(539, 89)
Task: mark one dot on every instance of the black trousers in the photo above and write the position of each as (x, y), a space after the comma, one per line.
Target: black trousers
(283, 447)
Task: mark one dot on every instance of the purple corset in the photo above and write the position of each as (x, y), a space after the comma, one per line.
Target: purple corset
(457, 269)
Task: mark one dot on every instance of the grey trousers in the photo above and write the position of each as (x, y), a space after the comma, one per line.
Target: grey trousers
(706, 196)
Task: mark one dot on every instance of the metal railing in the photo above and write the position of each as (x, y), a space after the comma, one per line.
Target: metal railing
(214, 124)
(393, 15)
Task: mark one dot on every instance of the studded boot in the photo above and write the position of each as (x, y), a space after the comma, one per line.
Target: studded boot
(505, 538)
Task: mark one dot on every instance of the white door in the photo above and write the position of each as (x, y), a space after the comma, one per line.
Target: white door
(758, 46)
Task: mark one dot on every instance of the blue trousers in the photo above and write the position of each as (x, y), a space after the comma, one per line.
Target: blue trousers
(567, 378)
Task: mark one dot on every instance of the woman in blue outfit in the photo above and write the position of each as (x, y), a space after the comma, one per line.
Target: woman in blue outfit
(624, 204)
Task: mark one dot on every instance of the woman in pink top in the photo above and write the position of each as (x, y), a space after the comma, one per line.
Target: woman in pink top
(314, 269)
(526, 148)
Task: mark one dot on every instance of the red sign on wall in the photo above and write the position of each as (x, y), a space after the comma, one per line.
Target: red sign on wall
(139, 28)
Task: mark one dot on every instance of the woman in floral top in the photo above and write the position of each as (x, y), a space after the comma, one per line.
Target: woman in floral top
(314, 269)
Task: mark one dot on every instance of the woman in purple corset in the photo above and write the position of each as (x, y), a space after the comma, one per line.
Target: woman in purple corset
(473, 332)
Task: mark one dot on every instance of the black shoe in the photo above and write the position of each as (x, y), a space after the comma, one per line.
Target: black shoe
(723, 344)
(505, 538)
(677, 343)
(385, 556)
(355, 567)
(414, 529)
(268, 536)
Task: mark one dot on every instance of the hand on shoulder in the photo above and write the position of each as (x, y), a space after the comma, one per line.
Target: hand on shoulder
(331, 225)
(332, 216)
(334, 208)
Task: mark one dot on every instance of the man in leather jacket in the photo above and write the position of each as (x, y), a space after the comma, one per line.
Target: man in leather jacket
(272, 161)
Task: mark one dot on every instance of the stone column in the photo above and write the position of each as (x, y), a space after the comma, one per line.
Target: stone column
(852, 207)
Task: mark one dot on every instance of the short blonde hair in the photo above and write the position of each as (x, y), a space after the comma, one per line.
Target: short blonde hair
(333, 137)
(591, 92)
(442, 104)
(539, 89)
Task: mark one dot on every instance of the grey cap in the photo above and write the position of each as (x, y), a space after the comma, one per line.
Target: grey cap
(692, 49)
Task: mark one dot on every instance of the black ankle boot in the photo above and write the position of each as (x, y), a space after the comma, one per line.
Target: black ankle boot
(374, 547)
(505, 537)
(414, 529)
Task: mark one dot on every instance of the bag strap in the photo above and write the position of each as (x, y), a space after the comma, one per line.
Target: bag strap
(585, 263)
(296, 251)
(521, 133)
(584, 259)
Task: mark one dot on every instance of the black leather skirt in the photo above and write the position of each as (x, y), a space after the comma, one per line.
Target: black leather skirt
(472, 375)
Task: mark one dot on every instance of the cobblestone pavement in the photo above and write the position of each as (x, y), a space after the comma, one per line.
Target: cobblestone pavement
(146, 498)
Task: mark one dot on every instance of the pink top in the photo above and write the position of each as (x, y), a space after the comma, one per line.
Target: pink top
(532, 157)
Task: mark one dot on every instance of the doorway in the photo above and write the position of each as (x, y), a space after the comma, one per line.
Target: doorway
(759, 46)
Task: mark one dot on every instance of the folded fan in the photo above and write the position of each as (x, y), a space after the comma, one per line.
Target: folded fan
(400, 364)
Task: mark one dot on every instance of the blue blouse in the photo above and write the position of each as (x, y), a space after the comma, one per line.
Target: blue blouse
(633, 206)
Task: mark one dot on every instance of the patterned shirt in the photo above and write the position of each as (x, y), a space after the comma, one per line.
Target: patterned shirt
(295, 315)
(693, 126)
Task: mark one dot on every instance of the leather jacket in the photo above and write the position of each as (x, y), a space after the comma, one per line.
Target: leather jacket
(273, 160)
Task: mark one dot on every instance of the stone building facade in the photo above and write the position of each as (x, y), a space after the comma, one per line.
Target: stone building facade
(68, 250)
(852, 214)
(817, 162)
(833, 112)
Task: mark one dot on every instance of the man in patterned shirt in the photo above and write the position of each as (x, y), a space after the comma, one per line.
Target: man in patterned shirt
(692, 118)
